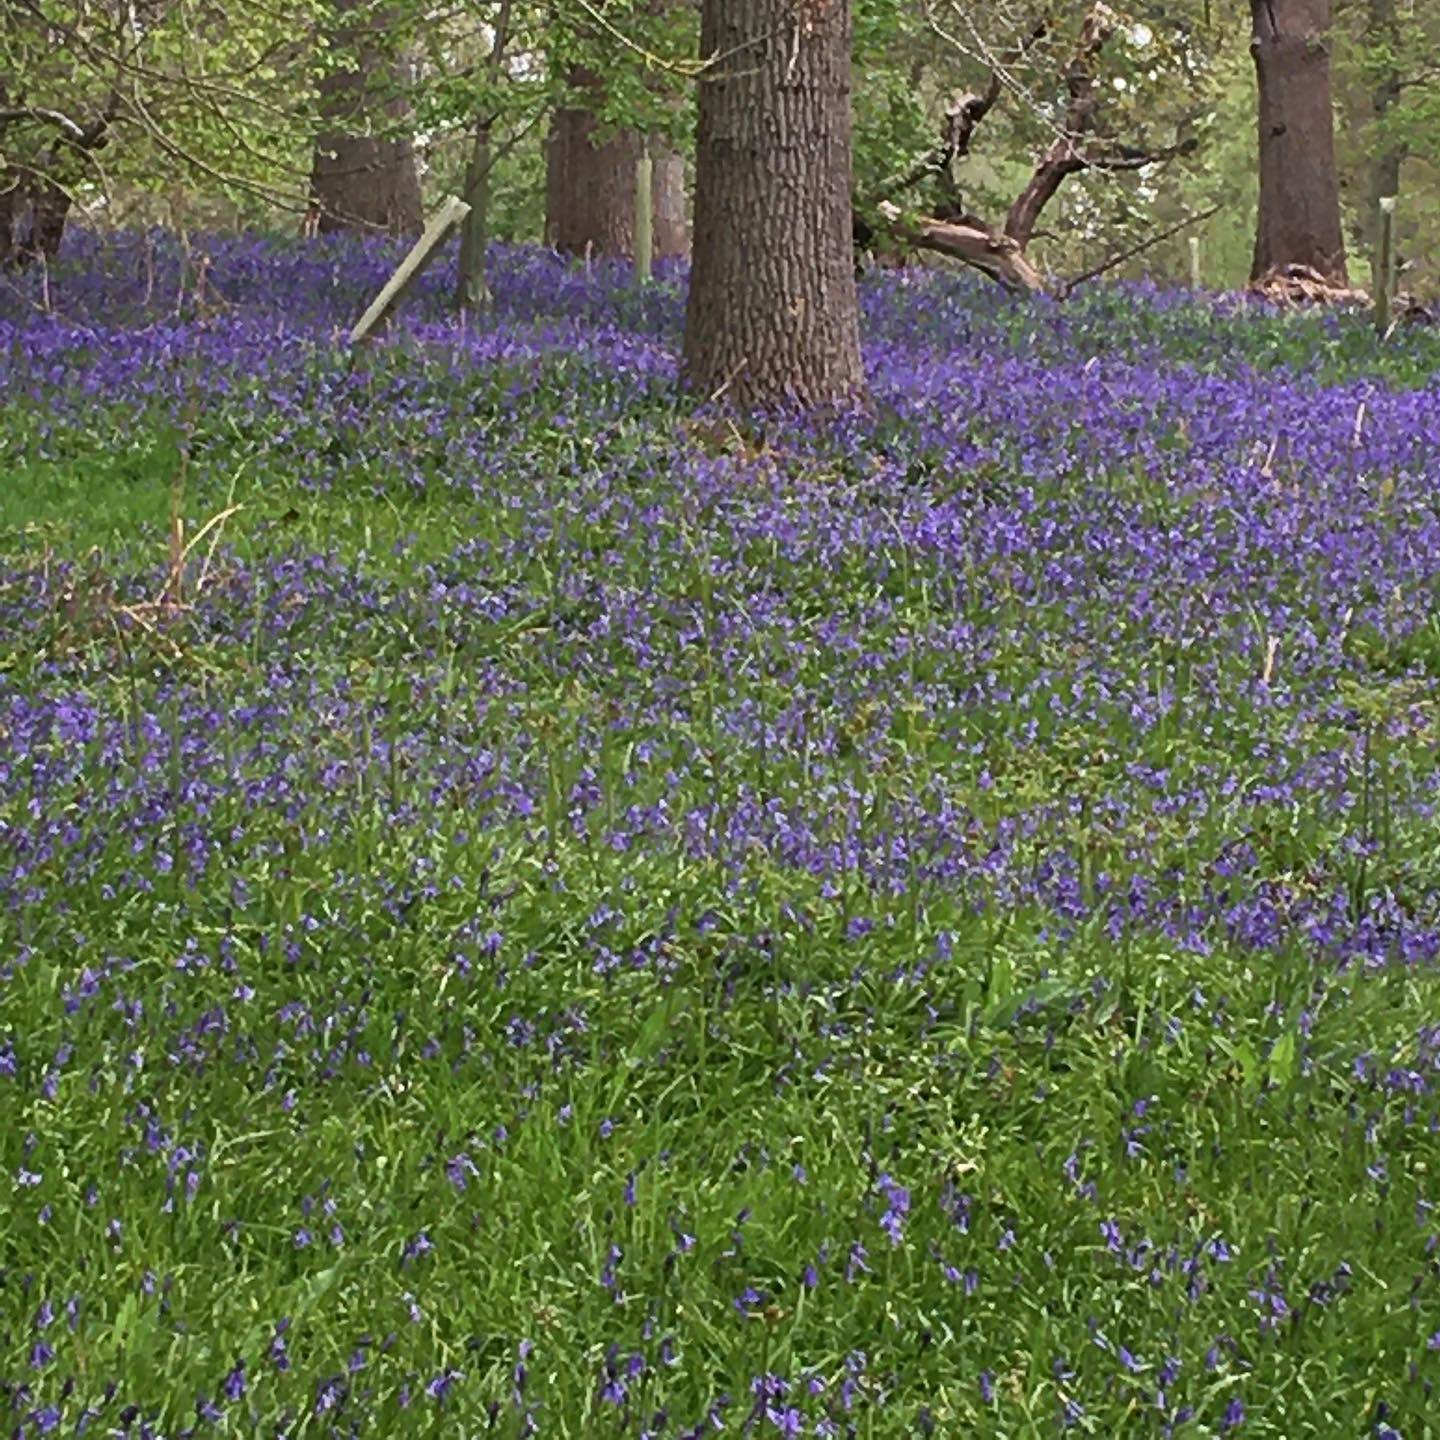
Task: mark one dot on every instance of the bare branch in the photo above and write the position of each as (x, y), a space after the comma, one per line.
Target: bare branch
(1148, 243)
(43, 115)
(1063, 157)
(1001, 255)
(962, 115)
(997, 256)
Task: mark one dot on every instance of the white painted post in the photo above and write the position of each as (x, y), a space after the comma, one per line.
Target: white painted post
(449, 215)
(644, 218)
(1194, 262)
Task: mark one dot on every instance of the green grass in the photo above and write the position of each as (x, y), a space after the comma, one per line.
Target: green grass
(1142, 1131)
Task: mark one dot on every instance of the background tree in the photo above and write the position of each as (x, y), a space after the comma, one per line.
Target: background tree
(617, 96)
(151, 109)
(1298, 216)
(1387, 80)
(54, 119)
(590, 179)
(183, 112)
(772, 313)
(1072, 86)
(364, 175)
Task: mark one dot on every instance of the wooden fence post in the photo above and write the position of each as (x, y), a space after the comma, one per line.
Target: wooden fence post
(644, 218)
(422, 252)
(1194, 262)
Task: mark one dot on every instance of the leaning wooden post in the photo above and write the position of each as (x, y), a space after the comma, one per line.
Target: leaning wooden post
(644, 218)
(1382, 277)
(422, 252)
(1194, 262)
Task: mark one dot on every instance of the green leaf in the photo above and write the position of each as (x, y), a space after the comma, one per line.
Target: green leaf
(1282, 1059)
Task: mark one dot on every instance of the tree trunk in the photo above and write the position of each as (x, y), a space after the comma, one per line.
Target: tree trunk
(49, 211)
(472, 287)
(1299, 214)
(671, 232)
(1386, 154)
(772, 314)
(11, 200)
(12, 182)
(361, 182)
(590, 186)
(472, 290)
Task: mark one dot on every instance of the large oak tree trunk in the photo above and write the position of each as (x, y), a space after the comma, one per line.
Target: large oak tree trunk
(1299, 214)
(590, 185)
(361, 182)
(772, 313)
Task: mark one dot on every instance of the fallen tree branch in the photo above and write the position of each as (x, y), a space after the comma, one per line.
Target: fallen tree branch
(998, 256)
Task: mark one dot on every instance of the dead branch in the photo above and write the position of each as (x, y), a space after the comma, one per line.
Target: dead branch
(997, 256)
(1296, 285)
(965, 112)
(1001, 253)
(1064, 156)
(1148, 243)
(962, 115)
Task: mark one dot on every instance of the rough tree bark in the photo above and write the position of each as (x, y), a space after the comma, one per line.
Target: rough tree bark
(1298, 223)
(772, 314)
(360, 182)
(590, 185)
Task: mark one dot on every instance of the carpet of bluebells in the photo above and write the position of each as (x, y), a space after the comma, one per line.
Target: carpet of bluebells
(571, 913)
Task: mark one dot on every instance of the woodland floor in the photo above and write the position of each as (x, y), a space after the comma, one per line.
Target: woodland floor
(569, 915)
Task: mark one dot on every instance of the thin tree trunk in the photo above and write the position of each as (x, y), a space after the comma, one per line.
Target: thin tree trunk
(590, 184)
(773, 314)
(11, 201)
(49, 212)
(472, 291)
(1299, 213)
(359, 181)
(12, 183)
(1386, 155)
